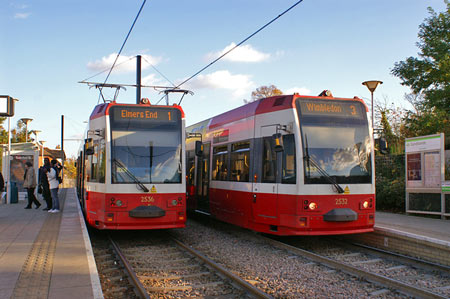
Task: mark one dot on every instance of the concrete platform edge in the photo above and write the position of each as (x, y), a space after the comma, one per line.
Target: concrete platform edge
(95, 280)
(412, 236)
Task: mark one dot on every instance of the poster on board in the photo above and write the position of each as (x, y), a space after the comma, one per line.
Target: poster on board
(18, 169)
(414, 170)
(432, 169)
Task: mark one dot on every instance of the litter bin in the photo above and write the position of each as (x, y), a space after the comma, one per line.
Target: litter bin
(14, 193)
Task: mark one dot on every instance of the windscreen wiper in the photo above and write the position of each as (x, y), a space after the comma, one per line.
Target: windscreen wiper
(329, 178)
(131, 175)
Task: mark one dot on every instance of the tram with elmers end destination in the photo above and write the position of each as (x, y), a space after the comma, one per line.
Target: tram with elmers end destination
(130, 168)
(285, 165)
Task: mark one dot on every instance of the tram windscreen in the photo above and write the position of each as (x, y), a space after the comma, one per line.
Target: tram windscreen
(146, 142)
(335, 135)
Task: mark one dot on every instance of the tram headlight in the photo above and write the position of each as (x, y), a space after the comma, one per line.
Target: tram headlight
(312, 206)
(174, 202)
(366, 204)
(118, 203)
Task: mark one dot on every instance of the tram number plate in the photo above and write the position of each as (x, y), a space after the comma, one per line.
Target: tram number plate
(341, 201)
(147, 199)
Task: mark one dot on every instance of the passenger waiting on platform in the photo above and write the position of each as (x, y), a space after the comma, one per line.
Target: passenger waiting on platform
(29, 183)
(43, 181)
(2, 183)
(52, 176)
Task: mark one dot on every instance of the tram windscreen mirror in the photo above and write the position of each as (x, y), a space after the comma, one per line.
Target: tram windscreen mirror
(198, 148)
(383, 146)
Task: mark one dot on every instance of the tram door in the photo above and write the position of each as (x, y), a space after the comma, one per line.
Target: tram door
(203, 179)
(265, 191)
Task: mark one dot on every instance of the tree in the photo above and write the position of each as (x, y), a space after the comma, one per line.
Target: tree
(18, 134)
(70, 171)
(265, 91)
(391, 120)
(430, 73)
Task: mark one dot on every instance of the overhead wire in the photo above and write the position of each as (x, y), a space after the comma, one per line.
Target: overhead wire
(243, 41)
(158, 71)
(125, 41)
(105, 70)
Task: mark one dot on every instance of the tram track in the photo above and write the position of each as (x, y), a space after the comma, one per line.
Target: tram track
(402, 274)
(314, 267)
(114, 278)
(163, 267)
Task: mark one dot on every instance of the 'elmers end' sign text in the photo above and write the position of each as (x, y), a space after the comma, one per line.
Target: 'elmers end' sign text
(124, 113)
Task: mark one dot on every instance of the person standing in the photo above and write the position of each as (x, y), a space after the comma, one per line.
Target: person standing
(29, 182)
(2, 183)
(53, 181)
(43, 181)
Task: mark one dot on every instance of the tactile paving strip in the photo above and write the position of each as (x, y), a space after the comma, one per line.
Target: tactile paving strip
(34, 279)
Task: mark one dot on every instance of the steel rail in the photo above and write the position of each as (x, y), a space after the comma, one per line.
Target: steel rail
(131, 273)
(372, 277)
(254, 291)
(417, 262)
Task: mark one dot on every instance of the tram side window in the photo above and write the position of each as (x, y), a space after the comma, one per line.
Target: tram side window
(220, 163)
(93, 161)
(94, 166)
(101, 162)
(289, 166)
(190, 168)
(88, 167)
(240, 161)
(269, 173)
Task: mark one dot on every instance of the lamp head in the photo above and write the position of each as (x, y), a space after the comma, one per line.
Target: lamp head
(372, 85)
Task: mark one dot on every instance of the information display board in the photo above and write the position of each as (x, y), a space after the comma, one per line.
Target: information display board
(425, 175)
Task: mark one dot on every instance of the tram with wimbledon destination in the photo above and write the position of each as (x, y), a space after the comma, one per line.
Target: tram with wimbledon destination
(285, 165)
(131, 167)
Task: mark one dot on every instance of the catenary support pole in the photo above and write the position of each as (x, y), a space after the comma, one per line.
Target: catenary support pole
(138, 79)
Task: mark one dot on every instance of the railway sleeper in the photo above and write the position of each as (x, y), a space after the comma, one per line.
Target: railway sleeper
(173, 277)
(162, 263)
(147, 269)
(185, 288)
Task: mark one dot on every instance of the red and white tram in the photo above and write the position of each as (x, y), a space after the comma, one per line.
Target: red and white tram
(286, 165)
(131, 170)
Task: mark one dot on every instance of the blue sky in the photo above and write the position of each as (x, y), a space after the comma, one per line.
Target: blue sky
(47, 47)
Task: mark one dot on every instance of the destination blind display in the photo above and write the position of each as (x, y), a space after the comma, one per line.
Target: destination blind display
(121, 113)
(350, 109)
(127, 116)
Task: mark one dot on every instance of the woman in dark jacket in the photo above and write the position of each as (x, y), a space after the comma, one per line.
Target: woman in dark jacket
(43, 181)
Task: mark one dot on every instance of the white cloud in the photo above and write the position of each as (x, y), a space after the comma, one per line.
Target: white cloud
(19, 6)
(244, 53)
(299, 90)
(240, 85)
(22, 15)
(124, 64)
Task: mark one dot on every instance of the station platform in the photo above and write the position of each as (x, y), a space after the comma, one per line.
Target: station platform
(421, 237)
(46, 255)
(433, 230)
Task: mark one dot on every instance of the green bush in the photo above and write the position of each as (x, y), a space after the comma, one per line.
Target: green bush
(390, 183)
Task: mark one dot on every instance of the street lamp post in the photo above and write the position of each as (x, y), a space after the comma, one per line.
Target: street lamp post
(26, 121)
(42, 143)
(372, 85)
(36, 132)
